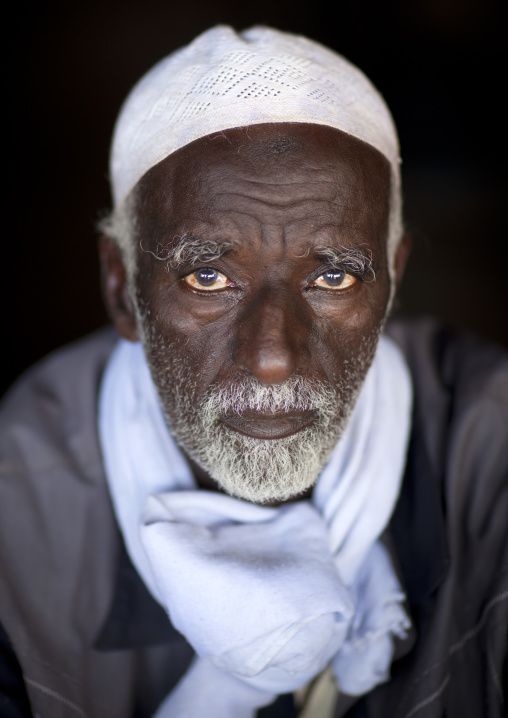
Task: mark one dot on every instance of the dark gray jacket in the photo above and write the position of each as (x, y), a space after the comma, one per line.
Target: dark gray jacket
(90, 640)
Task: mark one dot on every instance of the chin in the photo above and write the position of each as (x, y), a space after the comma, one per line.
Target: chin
(266, 470)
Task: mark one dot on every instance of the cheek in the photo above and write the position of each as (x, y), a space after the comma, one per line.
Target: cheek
(178, 333)
(346, 335)
(342, 327)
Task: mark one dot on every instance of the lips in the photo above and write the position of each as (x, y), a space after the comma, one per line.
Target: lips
(269, 426)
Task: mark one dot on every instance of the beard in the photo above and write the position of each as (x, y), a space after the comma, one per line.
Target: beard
(255, 469)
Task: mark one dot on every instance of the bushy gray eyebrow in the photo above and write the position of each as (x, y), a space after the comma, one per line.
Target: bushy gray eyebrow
(188, 251)
(356, 260)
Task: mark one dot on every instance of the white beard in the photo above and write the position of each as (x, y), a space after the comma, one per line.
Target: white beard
(258, 470)
(255, 469)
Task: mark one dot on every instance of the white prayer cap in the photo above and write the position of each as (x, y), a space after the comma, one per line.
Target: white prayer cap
(225, 79)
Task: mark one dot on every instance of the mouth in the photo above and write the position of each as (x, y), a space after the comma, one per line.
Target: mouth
(269, 426)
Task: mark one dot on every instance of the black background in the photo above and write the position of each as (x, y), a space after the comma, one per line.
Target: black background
(439, 63)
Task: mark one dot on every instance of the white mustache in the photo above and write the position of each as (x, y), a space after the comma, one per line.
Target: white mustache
(294, 395)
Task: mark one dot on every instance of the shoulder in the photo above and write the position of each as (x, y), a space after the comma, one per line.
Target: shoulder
(53, 493)
(48, 416)
(460, 388)
(452, 361)
(53, 490)
(58, 535)
(460, 392)
(461, 406)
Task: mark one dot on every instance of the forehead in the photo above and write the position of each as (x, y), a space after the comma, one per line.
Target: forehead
(302, 176)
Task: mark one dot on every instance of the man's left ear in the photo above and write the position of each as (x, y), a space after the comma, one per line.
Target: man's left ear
(115, 289)
(401, 256)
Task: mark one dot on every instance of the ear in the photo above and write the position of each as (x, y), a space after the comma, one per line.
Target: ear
(401, 256)
(115, 291)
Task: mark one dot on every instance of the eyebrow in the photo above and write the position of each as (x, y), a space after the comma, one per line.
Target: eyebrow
(188, 250)
(357, 260)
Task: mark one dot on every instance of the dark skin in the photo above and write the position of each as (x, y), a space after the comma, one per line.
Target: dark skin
(278, 193)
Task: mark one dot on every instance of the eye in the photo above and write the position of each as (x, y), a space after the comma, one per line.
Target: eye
(207, 279)
(336, 279)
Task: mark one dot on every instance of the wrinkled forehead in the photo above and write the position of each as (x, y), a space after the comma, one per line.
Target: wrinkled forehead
(273, 171)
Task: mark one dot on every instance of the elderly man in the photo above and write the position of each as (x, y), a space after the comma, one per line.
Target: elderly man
(255, 502)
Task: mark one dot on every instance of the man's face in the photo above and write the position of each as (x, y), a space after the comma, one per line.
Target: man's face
(261, 290)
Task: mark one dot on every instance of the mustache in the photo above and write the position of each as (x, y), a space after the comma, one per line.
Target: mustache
(248, 394)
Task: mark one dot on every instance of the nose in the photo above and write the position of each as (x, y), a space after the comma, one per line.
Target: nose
(270, 339)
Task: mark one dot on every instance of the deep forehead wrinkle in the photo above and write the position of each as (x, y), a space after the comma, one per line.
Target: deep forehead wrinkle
(328, 198)
(275, 190)
(268, 200)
